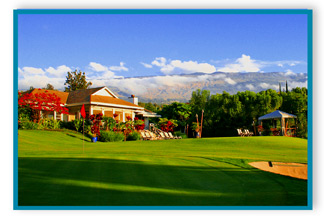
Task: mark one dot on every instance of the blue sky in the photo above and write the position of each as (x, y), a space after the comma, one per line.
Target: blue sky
(115, 46)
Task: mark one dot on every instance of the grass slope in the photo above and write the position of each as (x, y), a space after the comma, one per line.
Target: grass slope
(54, 171)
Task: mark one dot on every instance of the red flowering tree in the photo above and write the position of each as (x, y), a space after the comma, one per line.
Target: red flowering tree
(41, 101)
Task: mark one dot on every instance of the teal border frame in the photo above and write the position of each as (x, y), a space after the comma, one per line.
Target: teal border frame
(307, 12)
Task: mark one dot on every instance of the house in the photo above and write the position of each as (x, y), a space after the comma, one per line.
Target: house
(97, 100)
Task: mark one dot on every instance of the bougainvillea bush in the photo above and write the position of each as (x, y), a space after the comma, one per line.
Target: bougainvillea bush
(139, 124)
(167, 125)
(96, 123)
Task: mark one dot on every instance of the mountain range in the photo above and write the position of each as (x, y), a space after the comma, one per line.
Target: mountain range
(167, 89)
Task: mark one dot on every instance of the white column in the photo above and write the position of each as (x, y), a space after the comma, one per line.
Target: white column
(54, 115)
(91, 110)
(133, 116)
(113, 111)
(123, 116)
(61, 116)
(103, 111)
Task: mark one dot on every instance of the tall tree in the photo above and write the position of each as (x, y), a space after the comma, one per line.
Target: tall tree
(279, 87)
(179, 111)
(286, 86)
(76, 80)
(49, 87)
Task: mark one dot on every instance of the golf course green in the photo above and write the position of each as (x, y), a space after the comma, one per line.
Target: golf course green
(54, 169)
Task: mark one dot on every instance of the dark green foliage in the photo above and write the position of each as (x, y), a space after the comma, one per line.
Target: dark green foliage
(224, 113)
(133, 136)
(179, 111)
(78, 123)
(180, 134)
(295, 102)
(110, 136)
(42, 124)
(68, 125)
(49, 124)
(109, 123)
(27, 125)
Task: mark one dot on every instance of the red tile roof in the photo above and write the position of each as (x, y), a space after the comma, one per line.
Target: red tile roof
(81, 96)
(85, 96)
(111, 100)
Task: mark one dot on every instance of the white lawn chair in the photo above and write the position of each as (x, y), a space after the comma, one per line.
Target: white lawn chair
(247, 132)
(240, 133)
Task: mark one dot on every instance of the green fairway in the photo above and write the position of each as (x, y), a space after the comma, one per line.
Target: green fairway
(54, 171)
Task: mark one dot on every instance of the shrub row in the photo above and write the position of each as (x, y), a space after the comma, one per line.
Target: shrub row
(110, 136)
(43, 124)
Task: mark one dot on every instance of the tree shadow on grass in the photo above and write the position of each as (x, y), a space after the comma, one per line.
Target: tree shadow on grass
(110, 182)
(74, 136)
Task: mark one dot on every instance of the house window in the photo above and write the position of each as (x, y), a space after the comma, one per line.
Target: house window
(109, 113)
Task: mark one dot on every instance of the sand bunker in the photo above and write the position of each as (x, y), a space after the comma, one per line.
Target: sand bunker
(295, 170)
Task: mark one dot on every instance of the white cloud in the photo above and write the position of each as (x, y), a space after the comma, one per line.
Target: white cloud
(182, 67)
(250, 87)
(160, 61)
(103, 71)
(290, 73)
(140, 86)
(146, 65)
(30, 71)
(38, 78)
(243, 64)
(39, 81)
(59, 71)
(269, 86)
(229, 81)
(294, 84)
(292, 64)
(280, 65)
(121, 67)
(97, 67)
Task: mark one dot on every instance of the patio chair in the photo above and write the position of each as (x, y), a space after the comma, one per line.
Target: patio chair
(154, 137)
(148, 135)
(162, 135)
(240, 133)
(167, 135)
(248, 133)
(143, 135)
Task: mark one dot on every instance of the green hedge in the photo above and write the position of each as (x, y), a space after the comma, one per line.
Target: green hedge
(28, 125)
(43, 124)
(179, 134)
(133, 136)
(110, 136)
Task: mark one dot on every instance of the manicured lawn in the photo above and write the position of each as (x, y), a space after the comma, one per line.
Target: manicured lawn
(54, 171)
